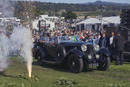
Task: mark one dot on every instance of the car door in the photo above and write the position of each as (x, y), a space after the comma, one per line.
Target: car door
(51, 48)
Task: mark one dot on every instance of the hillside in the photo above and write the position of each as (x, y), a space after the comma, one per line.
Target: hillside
(86, 9)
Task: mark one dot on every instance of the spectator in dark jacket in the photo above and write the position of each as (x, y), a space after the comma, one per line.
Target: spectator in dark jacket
(115, 48)
(100, 40)
(118, 49)
(103, 42)
(112, 45)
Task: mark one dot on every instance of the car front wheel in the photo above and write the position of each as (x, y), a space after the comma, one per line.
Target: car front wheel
(75, 63)
(104, 63)
(40, 57)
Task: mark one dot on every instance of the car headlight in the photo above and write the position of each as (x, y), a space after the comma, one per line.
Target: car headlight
(97, 56)
(89, 56)
(96, 47)
(84, 48)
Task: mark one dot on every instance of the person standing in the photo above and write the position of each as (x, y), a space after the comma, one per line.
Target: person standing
(100, 40)
(115, 48)
(119, 49)
(104, 42)
(112, 46)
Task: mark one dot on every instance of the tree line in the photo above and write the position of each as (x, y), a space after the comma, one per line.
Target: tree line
(64, 9)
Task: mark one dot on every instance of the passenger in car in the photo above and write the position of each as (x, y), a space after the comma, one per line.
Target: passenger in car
(44, 38)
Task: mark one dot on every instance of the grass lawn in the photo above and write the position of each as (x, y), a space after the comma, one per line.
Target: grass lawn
(43, 76)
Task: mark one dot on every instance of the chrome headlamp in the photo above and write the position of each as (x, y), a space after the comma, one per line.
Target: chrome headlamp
(84, 48)
(89, 56)
(96, 47)
(97, 56)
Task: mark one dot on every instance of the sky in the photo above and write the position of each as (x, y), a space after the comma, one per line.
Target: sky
(82, 1)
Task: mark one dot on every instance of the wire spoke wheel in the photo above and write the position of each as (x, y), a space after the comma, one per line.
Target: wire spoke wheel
(104, 63)
(75, 63)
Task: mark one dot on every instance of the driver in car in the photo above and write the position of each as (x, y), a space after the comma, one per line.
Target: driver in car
(44, 38)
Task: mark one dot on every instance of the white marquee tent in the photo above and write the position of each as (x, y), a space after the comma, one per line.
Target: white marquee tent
(90, 21)
(114, 20)
(96, 23)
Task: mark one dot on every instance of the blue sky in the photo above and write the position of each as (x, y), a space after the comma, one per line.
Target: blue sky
(82, 1)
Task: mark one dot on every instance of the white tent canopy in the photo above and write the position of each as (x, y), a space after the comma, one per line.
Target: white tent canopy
(90, 21)
(114, 20)
(105, 20)
(96, 23)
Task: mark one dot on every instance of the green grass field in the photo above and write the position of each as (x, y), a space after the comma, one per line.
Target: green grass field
(55, 76)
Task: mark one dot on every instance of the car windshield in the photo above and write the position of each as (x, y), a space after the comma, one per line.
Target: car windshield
(62, 39)
(66, 39)
(58, 39)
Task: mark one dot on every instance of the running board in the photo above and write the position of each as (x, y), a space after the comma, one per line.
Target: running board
(51, 62)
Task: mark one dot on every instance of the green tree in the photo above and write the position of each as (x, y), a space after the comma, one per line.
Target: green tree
(70, 15)
(38, 12)
(25, 10)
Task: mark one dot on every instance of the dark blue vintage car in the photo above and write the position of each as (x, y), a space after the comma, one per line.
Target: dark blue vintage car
(76, 55)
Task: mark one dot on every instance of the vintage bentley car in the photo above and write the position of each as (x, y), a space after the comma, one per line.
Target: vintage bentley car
(76, 55)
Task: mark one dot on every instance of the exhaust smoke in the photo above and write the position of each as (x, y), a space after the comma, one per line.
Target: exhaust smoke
(22, 42)
(3, 52)
(18, 41)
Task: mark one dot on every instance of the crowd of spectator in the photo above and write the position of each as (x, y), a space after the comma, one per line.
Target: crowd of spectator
(83, 35)
(111, 42)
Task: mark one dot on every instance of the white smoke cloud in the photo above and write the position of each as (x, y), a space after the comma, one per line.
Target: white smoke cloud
(4, 52)
(20, 40)
(6, 8)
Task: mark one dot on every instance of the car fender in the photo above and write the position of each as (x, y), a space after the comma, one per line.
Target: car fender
(62, 50)
(76, 52)
(103, 51)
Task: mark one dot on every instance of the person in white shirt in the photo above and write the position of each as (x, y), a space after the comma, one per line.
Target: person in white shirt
(112, 38)
(114, 48)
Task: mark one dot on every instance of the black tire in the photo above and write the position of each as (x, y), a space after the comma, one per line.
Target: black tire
(121, 59)
(104, 63)
(34, 51)
(86, 66)
(75, 63)
(40, 57)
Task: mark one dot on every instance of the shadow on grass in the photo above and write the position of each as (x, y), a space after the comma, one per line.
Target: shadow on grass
(5, 75)
(58, 67)
(20, 76)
